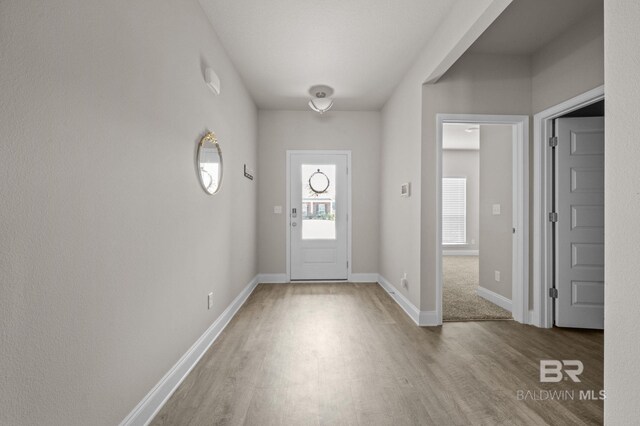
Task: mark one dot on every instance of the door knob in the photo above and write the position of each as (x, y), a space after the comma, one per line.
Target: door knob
(294, 224)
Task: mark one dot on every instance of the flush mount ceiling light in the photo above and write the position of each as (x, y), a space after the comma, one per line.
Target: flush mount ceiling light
(321, 98)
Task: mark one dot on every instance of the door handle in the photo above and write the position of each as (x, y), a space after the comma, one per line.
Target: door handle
(294, 224)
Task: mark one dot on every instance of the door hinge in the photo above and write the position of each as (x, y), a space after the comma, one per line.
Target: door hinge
(553, 141)
(553, 217)
(347, 263)
(553, 293)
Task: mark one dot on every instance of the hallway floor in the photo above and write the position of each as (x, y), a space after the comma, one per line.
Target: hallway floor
(307, 354)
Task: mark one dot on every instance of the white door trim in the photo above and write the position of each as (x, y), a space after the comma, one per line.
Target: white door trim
(287, 220)
(542, 121)
(520, 287)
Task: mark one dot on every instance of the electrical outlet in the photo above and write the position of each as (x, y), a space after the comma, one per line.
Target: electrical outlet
(210, 301)
(403, 281)
(497, 275)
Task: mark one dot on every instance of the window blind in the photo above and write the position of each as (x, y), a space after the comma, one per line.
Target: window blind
(454, 210)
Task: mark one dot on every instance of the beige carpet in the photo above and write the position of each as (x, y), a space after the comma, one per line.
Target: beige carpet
(460, 302)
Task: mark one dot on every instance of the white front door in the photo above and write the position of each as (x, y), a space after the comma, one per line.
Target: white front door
(579, 230)
(318, 216)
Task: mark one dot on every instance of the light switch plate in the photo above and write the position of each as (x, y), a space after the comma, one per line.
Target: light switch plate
(496, 209)
(405, 189)
(277, 209)
(210, 301)
(497, 275)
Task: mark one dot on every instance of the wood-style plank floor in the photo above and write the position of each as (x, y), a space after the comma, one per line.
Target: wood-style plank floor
(346, 354)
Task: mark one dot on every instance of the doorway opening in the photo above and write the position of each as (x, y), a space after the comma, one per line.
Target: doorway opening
(482, 225)
(568, 244)
(477, 193)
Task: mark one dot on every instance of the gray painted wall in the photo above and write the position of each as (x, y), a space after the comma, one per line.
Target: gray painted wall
(280, 131)
(622, 204)
(570, 65)
(501, 84)
(108, 244)
(476, 84)
(496, 176)
(466, 163)
(400, 218)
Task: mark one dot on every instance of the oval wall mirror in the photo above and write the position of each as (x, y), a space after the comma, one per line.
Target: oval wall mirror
(210, 163)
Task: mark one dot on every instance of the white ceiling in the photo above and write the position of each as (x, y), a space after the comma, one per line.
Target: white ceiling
(362, 48)
(527, 25)
(460, 136)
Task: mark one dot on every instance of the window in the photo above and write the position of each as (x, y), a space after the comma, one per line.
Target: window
(454, 210)
(319, 191)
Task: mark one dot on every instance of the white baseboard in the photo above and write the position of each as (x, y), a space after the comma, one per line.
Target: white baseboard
(495, 298)
(272, 278)
(144, 412)
(405, 304)
(422, 318)
(429, 319)
(460, 252)
(363, 278)
(282, 278)
(530, 319)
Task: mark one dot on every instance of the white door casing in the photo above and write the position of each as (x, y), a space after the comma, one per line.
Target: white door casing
(543, 129)
(318, 222)
(579, 230)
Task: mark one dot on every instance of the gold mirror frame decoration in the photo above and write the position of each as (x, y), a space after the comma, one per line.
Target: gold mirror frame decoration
(210, 172)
